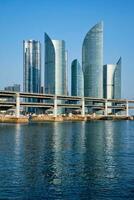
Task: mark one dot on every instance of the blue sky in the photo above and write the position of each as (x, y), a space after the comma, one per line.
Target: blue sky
(69, 20)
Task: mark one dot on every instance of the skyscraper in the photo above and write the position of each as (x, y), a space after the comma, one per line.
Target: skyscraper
(92, 61)
(31, 66)
(112, 80)
(31, 69)
(77, 82)
(15, 88)
(117, 80)
(55, 67)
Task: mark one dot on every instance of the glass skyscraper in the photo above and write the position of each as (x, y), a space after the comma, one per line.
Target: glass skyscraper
(31, 66)
(112, 80)
(92, 62)
(31, 69)
(55, 67)
(15, 88)
(77, 82)
(117, 80)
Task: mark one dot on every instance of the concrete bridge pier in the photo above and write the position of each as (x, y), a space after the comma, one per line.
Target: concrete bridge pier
(127, 111)
(55, 106)
(83, 107)
(106, 109)
(17, 105)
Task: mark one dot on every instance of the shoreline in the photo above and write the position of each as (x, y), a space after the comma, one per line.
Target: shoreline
(51, 118)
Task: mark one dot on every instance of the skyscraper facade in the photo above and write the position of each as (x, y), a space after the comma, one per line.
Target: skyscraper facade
(112, 80)
(55, 67)
(92, 61)
(117, 80)
(77, 82)
(15, 88)
(31, 66)
(108, 81)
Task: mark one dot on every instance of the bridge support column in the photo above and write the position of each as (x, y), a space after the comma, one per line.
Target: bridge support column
(83, 107)
(106, 109)
(55, 106)
(17, 105)
(127, 111)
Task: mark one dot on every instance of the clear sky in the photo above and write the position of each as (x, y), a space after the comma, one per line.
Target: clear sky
(69, 20)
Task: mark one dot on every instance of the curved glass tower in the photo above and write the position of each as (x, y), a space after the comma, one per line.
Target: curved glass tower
(55, 67)
(92, 61)
(49, 66)
(31, 66)
(77, 87)
(112, 80)
(117, 80)
(108, 81)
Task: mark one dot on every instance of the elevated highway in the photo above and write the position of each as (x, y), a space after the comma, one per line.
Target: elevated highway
(10, 99)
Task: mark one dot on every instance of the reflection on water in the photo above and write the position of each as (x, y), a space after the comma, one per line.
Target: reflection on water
(110, 167)
(66, 160)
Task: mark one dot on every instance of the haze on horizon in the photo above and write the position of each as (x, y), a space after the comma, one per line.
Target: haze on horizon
(69, 20)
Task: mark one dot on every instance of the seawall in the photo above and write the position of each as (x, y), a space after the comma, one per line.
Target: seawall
(41, 118)
(13, 119)
(51, 118)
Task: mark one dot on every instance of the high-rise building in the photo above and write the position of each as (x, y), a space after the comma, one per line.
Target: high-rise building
(15, 88)
(42, 89)
(31, 69)
(77, 82)
(112, 80)
(31, 66)
(117, 80)
(55, 67)
(92, 61)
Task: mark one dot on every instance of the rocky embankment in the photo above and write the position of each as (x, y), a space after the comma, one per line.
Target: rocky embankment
(13, 119)
(42, 118)
(60, 118)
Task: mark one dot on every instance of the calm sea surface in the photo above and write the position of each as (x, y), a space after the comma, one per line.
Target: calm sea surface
(79, 160)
